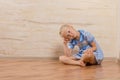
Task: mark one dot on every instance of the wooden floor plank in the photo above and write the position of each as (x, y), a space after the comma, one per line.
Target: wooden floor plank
(52, 69)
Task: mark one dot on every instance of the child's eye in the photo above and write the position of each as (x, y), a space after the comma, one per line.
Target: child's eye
(68, 31)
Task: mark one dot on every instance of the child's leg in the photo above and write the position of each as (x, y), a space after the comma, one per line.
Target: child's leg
(88, 58)
(70, 60)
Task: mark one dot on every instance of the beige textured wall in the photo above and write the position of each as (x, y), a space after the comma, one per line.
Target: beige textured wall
(118, 28)
(30, 27)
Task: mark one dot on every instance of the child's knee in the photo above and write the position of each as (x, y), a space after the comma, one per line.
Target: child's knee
(89, 58)
(85, 58)
(88, 55)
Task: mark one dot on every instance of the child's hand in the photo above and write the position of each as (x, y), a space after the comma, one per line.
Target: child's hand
(89, 51)
(65, 41)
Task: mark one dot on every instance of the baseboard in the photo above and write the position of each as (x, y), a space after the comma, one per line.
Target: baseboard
(27, 57)
(105, 58)
(118, 61)
(110, 58)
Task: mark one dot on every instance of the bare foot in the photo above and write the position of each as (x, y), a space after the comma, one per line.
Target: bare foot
(82, 63)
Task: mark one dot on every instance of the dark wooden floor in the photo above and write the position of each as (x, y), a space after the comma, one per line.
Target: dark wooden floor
(52, 69)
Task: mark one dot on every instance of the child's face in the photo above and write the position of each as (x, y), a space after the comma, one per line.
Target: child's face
(69, 34)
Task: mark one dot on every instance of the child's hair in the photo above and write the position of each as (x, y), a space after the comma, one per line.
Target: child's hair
(63, 27)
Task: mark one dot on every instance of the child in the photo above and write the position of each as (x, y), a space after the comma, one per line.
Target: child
(89, 53)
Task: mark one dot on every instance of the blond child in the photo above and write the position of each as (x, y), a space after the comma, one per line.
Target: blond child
(89, 50)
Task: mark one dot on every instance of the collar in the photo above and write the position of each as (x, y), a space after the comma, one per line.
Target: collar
(81, 36)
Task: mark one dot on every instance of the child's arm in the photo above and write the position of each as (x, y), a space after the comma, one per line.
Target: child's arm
(90, 38)
(67, 51)
(93, 44)
(92, 49)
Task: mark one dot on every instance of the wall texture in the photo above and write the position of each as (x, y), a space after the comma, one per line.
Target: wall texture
(118, 29)
(29, 28)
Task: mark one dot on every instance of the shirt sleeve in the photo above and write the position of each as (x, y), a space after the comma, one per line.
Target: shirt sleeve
(90, 37)
(71, 44)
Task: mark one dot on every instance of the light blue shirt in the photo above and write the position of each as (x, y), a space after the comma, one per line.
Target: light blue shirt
(84, 43)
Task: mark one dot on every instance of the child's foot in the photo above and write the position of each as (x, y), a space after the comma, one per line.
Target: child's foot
(82, 63)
